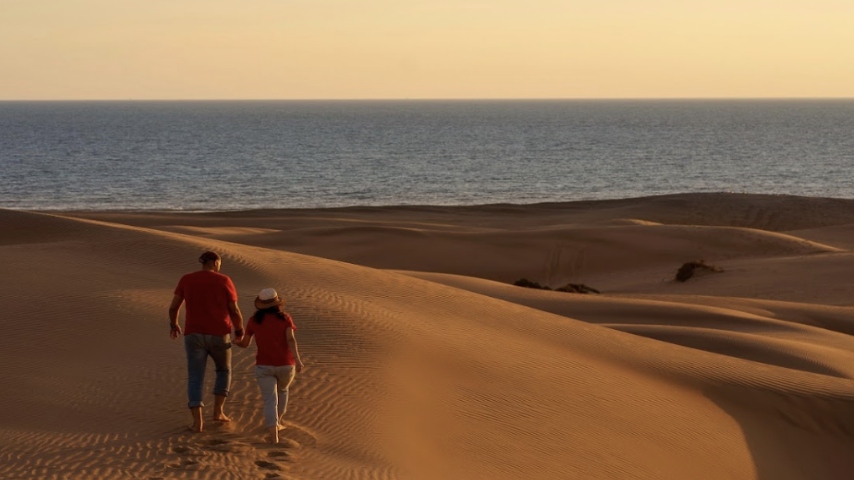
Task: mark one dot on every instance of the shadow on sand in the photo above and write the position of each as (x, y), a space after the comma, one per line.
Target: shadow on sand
(792, 435)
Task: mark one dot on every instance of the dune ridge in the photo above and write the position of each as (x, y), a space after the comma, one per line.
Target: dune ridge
(422, 360)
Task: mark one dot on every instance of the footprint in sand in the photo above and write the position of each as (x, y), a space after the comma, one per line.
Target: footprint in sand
(279, 454)
(185, 464)
(282, 455)
(218, 445)
(267, 465)
(292, 438)
(237, 445)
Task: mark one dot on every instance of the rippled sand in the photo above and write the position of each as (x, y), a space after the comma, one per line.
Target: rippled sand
(424, 362)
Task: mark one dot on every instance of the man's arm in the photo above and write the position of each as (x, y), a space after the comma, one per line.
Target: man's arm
(174, 310)
(236, 319)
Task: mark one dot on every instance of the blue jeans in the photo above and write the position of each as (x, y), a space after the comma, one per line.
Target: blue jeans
(274, 381)
(198, 347)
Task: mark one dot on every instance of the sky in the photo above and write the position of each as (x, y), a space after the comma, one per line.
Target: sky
(425, 49)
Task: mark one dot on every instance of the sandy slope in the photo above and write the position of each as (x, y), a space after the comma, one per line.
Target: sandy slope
(423, 362)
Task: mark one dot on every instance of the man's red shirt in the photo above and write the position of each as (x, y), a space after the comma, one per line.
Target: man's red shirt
(207, 295)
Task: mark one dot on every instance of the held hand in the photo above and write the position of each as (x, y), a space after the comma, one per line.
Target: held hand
(175, 331)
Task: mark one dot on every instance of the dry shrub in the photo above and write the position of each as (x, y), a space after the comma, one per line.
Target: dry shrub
(524, 282)
(569, 287)
(688, 269)
(577, 288)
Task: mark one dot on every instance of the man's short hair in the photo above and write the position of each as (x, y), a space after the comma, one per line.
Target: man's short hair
(209, 257)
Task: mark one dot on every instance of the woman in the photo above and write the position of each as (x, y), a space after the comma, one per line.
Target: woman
(278, 358)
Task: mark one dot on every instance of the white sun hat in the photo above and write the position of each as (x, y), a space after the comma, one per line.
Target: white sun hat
(267, 298)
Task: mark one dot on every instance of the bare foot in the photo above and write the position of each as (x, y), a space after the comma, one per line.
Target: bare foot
(194, 428)
(222, 418)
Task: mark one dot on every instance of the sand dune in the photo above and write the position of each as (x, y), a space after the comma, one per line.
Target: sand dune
(505, 243)
(424, 362)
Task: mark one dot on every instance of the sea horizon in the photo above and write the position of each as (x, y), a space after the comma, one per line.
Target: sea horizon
(227, 155)
(431, 99)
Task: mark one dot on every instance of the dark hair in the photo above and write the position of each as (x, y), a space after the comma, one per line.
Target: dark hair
(275, 310)
(209, 257)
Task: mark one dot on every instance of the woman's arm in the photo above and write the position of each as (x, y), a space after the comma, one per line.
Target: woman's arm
(292, 345)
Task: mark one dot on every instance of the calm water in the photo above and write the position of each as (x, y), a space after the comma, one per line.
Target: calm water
(241, 155)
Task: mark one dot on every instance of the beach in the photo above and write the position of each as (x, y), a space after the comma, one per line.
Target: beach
(424, 361)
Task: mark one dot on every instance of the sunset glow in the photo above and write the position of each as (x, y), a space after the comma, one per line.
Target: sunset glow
(336, 49)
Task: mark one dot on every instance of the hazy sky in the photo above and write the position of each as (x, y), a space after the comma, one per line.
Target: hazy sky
(296, 49)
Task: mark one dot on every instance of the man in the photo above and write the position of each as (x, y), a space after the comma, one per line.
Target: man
(211, 311)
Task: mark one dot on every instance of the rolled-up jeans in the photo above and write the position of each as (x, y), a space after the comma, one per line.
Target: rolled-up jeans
(274, 381)
(198, 347)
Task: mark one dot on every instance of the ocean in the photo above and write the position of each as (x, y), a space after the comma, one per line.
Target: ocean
(238, 155)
